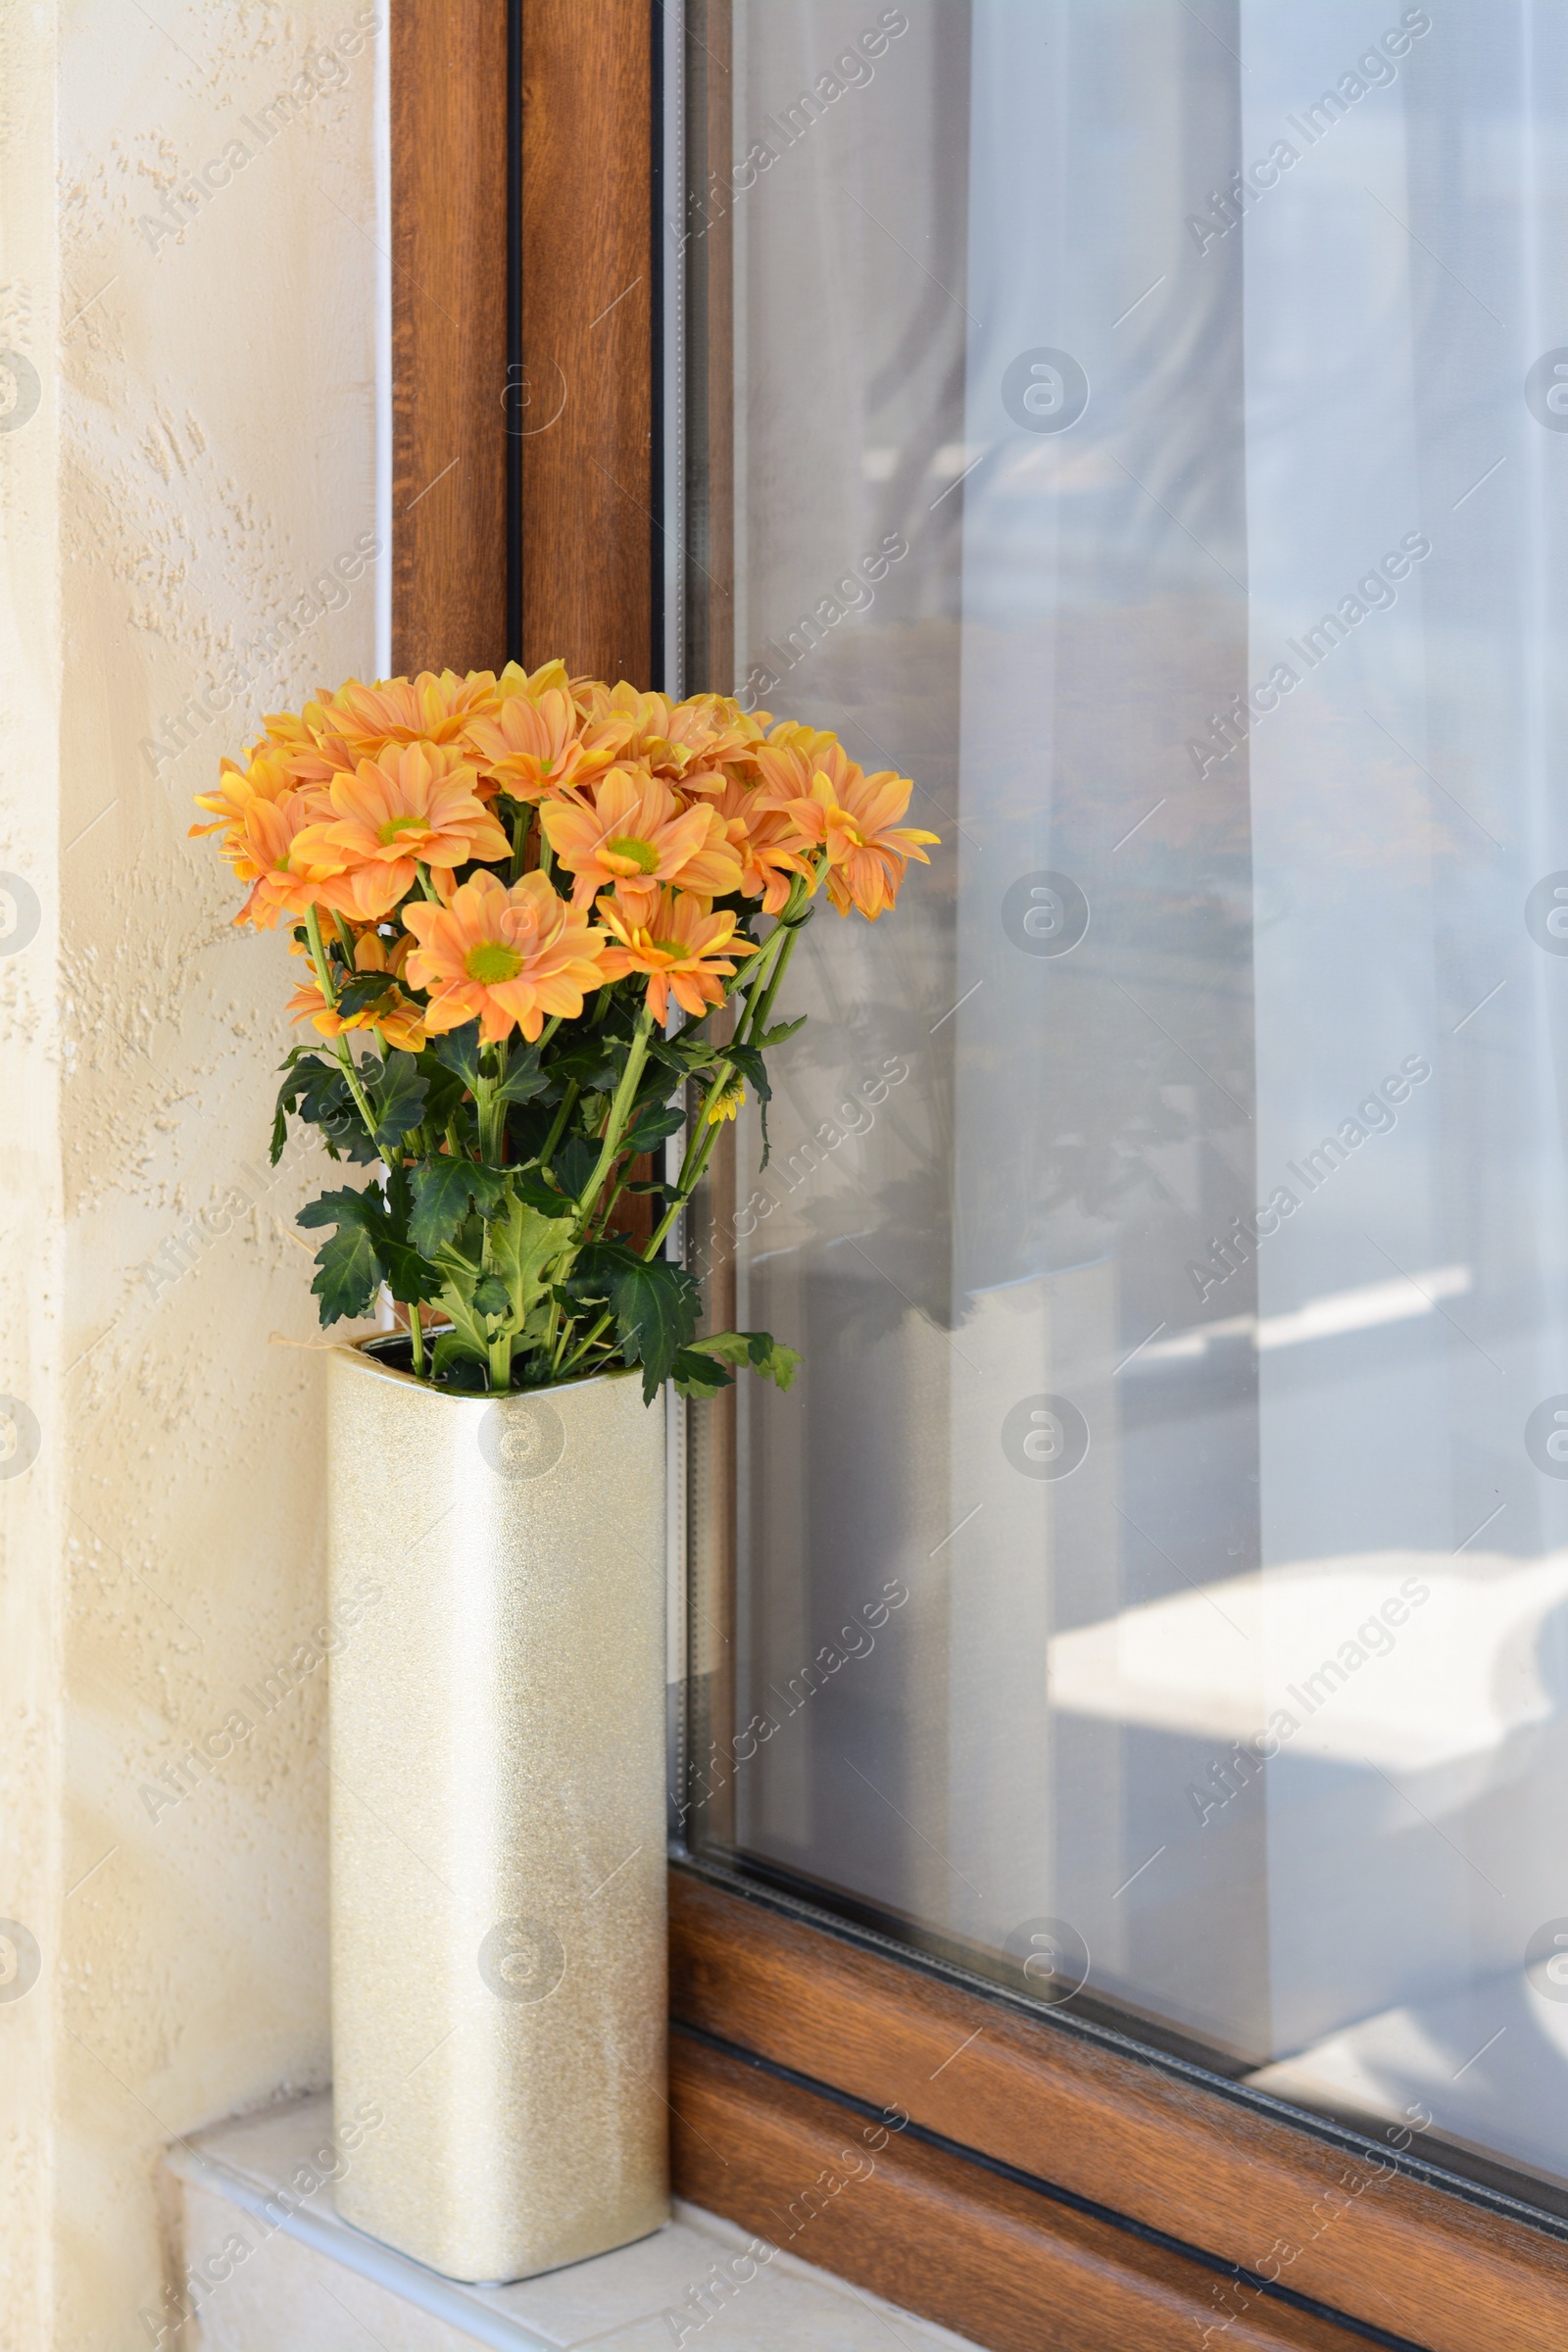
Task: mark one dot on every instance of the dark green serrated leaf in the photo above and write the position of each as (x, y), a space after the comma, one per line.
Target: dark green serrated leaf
(397, 1095)
(523, 1079)
(490, 1295)
(656, 1305)
(684, 1052)
(323, 1100)
(539, 1195)
(366, 987)
(528, 1126)
(351, 1273)
(749, 1061)
(315, 1091)
(458, 1052)
(442, 1192)
(593, 1062)
(653, 1125)
(408, 1276)
(698, 1374)
(366, 1210)
(573, 1162)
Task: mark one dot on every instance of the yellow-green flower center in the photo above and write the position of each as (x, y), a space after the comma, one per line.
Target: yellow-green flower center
(400, 825)
(640, 853)
(670, 947)
(492, 962)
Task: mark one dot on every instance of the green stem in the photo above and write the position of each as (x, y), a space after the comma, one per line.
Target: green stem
(416, 1337)
(582, 1346)
(492, 1118)
(340, 1046)
(757, 1008)
(619, 1112)
(425, 884)
(492, 1111)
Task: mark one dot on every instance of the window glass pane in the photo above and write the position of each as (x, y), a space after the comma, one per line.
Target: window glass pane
(1146, 425)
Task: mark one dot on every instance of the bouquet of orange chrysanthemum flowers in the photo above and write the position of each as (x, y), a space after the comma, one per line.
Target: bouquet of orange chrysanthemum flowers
(504, 885)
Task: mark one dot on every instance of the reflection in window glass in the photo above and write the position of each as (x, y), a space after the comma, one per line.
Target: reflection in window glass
(1143, 427)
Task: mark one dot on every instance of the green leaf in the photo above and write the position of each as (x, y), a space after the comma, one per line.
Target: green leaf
(366, 987)
(783, 1029)
(442, 1191)
(749, 1061)
(656, 1305)
(684, 1052)
(459, 1051)
(523, 1079)
(468, 1335)
(653, 1123)
(757, 1350)
(526, 1247)
(539, 1195)
(594, 1061)
(696, 1375)
(364, 1210)
(457, 1345)
(397, 1095)
(315, 1091)
(371, 1247)
(490, 1296)
(351, 1274)
(573, 1163)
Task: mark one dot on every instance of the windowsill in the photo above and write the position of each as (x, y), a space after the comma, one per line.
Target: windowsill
(306, 2268)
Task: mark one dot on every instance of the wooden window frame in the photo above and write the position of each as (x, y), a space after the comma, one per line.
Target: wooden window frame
(1025, 2177)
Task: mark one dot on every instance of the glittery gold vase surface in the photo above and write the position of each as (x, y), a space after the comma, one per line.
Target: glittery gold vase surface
(498, 1816)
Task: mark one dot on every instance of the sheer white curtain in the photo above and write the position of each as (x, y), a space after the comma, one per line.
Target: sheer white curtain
(1185, 1318)
(1402, 279)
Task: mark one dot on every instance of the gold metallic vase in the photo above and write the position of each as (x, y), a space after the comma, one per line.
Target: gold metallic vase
(498, 1816)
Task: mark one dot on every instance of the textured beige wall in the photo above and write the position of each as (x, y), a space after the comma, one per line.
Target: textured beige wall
(201, 452)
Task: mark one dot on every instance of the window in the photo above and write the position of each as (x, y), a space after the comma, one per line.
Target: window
(1143, 424)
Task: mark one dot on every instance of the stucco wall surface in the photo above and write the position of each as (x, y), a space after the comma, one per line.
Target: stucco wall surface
(188, 287)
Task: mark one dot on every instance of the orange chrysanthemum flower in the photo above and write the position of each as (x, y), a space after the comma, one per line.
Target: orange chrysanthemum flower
(397, 1019)
(505, 957)
(414, 805)
(313, 752)
(534, 744)
(767, 841)
(292, 872)
(690, 743)
(266, 776)
(631, 834)
(423, 709)
(685, 951)
(854, 818)
(790, 757)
